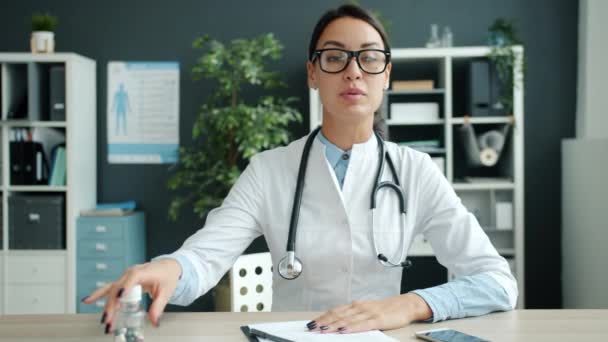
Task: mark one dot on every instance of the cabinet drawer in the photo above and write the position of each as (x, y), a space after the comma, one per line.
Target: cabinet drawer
(101, 267)
(99, 228)
(35, 299)
(36, 269)
(86, 285)
(96, 307)
(100, 248)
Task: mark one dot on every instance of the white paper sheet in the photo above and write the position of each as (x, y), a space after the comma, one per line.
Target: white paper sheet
(297, 331)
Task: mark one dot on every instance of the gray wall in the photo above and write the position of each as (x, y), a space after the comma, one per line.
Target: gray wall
(164, 30)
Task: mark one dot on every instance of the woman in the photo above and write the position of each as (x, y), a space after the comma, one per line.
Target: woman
(349, 63)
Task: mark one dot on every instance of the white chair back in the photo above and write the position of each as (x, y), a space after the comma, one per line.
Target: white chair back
(251, 283)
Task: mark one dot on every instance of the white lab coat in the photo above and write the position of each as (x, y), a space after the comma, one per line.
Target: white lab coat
(334, 237)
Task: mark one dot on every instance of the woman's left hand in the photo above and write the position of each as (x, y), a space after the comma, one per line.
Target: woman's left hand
(391, 313)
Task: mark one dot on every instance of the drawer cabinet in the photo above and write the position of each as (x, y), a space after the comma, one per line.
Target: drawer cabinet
(36, 269)
(36, 299)
(106, 247)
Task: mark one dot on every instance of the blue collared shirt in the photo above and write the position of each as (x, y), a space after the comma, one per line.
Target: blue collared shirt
(337, 158)
(464, 296)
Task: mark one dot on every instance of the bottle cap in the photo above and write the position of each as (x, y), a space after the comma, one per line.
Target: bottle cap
(134, 295)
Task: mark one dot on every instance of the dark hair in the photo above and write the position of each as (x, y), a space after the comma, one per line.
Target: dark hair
(351, 11)
(356, 12)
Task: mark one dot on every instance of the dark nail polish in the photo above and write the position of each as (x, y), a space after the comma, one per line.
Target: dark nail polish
(120, 293)
(311, 323)
(312, 327)
(341, 328)
(107, 329)
(324, 327)
(103, 317)
(84, 298)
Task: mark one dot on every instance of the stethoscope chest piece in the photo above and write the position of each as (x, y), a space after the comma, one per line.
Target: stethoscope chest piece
(290, 267)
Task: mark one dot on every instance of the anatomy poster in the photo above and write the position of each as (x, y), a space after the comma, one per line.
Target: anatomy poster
(143, 112)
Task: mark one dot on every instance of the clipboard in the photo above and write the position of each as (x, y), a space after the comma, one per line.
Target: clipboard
(253, 334)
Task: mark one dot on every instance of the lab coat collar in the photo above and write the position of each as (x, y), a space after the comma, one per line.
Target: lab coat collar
(360, 171)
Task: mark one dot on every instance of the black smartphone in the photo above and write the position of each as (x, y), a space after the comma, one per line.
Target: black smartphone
(447, 335)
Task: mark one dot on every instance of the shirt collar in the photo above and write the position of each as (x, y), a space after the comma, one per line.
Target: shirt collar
(332, 152)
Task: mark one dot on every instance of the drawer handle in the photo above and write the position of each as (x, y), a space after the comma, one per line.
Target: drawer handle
(101, 266)
(101, 229)
(101, 247)
(100, 284)
(100, 303)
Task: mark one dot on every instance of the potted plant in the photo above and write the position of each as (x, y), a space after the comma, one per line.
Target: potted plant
(233, 124)
(502, 37)
(43, 36)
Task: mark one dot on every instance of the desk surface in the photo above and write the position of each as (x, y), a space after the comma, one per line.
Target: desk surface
(519, 325)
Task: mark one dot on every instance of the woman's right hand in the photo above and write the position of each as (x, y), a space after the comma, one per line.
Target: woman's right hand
(159, 278)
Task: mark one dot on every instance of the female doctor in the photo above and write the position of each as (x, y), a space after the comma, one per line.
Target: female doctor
(316, 196)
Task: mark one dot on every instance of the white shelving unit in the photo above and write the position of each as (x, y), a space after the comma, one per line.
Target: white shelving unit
(446, 66)
(43, 281)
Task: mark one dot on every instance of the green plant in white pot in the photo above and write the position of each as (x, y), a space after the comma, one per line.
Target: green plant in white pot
(43, 33)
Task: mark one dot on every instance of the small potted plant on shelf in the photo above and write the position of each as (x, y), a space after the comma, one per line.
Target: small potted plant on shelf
(502, 37)
(43, 36)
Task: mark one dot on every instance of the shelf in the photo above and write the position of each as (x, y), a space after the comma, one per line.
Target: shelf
(434, 150)
(496, 230)
(36, 188)
(510, 252)
(27, 123)
(36, 252)
(415, 123)
(483, 120)
(437, 91)
(507, 185)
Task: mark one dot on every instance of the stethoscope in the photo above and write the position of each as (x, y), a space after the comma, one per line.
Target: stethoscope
(290, 267)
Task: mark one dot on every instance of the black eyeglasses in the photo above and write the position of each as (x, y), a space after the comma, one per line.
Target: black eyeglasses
(333, 61)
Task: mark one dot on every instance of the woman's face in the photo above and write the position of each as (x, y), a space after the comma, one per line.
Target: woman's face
(351, 95)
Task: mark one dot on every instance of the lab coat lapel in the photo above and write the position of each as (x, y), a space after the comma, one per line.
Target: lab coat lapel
(325, 182)
(360, 175)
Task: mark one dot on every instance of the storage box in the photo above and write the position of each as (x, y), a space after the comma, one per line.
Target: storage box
(413, 85)
(36, 222)
(414, 112)
(504, 215)
(440, 161)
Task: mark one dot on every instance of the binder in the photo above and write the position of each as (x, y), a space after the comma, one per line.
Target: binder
(41, 169)
(16, 156)
(57, 93)
(37, 82)
(27, 163)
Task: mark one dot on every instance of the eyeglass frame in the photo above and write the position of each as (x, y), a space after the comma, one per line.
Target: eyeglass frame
(350, 55)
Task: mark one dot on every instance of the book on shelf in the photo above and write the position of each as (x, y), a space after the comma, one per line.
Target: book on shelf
(58, 172)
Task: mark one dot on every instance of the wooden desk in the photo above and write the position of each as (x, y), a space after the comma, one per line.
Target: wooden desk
(521, 325)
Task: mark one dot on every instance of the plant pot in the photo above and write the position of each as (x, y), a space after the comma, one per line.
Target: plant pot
(497, 38)
(42, 42)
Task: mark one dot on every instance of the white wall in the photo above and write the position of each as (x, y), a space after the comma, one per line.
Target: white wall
(584, 169)
(592, 99)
